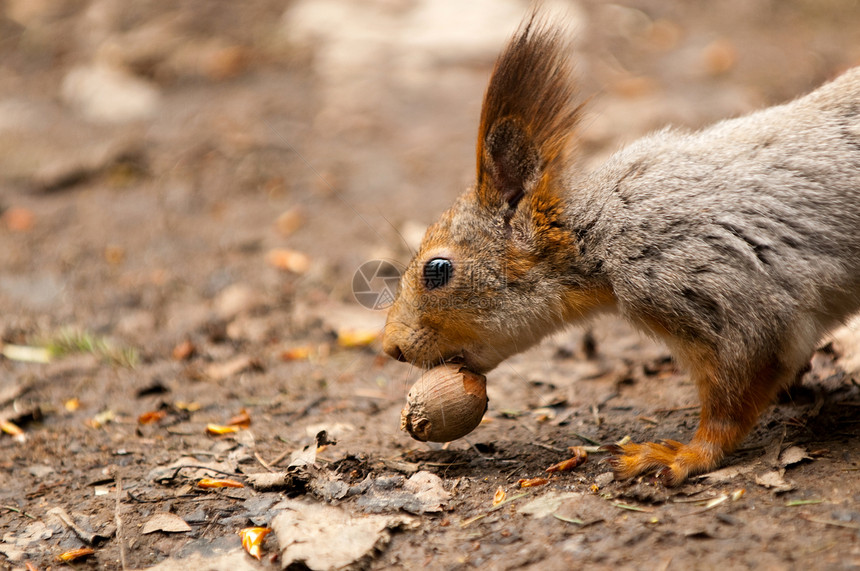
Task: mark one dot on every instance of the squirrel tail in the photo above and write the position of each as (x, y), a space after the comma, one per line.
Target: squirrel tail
(529, 116)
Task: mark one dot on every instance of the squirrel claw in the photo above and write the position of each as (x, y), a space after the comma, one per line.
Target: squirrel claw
(668, 477)
(659, 458)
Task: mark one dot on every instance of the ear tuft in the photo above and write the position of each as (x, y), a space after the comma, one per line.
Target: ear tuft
(529, 116)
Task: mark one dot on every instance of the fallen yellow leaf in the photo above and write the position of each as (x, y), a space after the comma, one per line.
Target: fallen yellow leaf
(151, 416)
(252, 538)
(297, 353)
(207, 483)
(10, 427)
(349, 338)
(220, 429)
(532, 482)
(75, 554)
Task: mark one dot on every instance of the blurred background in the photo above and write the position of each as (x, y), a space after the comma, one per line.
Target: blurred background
(187, 188)
(152, 154)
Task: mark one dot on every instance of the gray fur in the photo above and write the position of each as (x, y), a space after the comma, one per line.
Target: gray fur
(745, 235)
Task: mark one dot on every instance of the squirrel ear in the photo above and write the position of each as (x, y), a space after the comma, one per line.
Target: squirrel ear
(510, 160)
(529, 117)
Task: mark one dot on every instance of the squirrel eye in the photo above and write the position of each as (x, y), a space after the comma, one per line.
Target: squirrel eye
(437, 272)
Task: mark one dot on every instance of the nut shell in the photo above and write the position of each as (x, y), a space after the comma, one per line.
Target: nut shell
(446, 403)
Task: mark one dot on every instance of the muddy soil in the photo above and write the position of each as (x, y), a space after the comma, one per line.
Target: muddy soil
(186, 192)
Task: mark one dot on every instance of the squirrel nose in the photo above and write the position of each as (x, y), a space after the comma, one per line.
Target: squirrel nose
(395, 353)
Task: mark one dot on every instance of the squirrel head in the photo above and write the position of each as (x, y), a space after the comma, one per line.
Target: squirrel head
(496, 273)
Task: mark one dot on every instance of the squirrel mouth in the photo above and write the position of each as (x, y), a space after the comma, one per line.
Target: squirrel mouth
(465, 360)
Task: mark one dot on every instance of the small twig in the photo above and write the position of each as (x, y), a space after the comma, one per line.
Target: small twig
(676, 409)
(848, 524)
(176, 432)
(16, 510)
(594, 411)
(632, 507)
(795, 503)
(480, 454)
(607, 398)
(586, 439)
(140, 500)
(526, 427)
(119, 538)
(263, 462)
(711, 504)
(566, 519)
(184, 466)
(548, 447)
(496, 507)
(280, 457)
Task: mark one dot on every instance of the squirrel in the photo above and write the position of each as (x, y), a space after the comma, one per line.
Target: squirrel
(738, 245)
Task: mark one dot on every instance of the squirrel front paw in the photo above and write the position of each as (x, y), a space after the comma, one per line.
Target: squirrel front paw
(670, 460)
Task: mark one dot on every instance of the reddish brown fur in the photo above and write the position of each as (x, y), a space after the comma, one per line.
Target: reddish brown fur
(726, 417)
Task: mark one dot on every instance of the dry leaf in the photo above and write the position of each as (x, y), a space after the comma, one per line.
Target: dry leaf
(252, 538)
(166, 522)
(75, 554)
(428, 490)
(218, 371)
(321, 536)
(241, 420)
(726, 474)
(579, 458)
(774, 481)
(548, 503)
(151, 416)
(208, 483)
(499, 496)
(264, 481)
(531, 482)
(793, 455)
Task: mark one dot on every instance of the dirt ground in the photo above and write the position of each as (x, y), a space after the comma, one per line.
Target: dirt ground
(186, 191)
